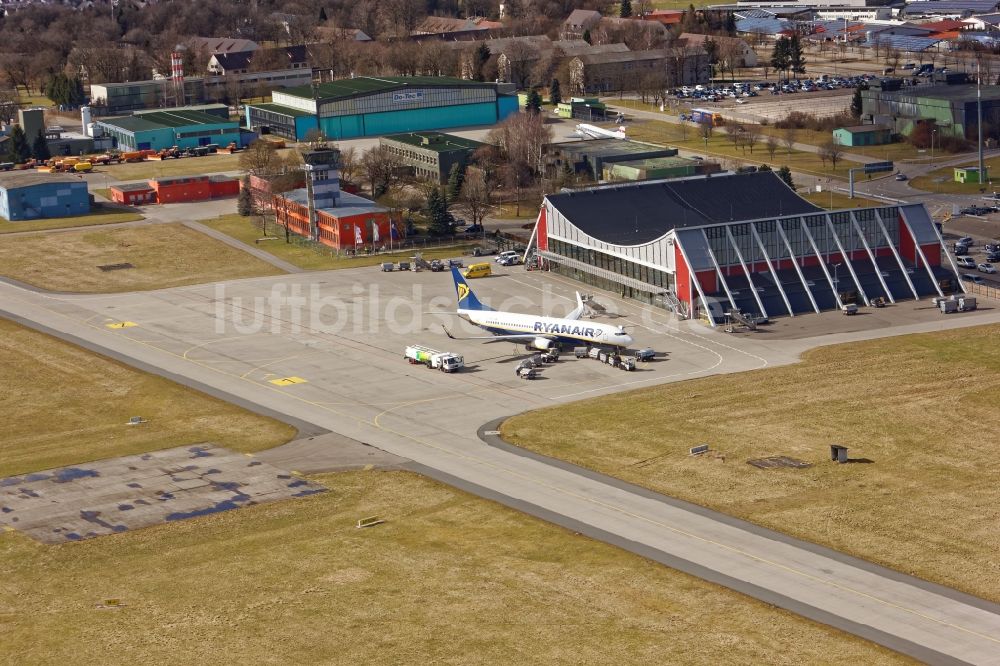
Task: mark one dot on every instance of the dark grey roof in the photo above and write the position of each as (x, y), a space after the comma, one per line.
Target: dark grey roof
(633, 214)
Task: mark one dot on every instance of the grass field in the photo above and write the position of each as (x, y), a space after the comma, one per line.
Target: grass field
(99, 215)
(893, 151)
(163, 255)
(942, 181)
(836, 200)
(248, 231)
(449, 579)
(64, 405)
(184, 166)
(923, 408)
(720, 146)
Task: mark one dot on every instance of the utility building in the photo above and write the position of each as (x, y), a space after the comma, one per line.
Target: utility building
(156, 130)
(369, 106)
(706, 245)
(30, 195)
(431, 155)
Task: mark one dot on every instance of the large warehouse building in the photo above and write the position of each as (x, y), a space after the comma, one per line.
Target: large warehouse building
(953, 108)
(156, 130)
(707, 245)
(28, 195)
(368, 106)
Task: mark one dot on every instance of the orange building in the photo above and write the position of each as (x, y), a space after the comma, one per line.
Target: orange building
(175, 190)
(354, 223)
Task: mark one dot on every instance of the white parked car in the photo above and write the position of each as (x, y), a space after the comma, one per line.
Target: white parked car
(986, 268)
(503, 256)
(965, 262)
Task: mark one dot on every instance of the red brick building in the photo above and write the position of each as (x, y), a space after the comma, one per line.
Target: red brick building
(354, 223)
(184, 189)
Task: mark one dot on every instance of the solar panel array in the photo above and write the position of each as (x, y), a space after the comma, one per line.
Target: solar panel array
(766, 26)
(907, 43)
(952, 7)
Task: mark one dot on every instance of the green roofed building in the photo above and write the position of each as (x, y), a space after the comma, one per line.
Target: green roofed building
(657, 167)
(431, 154)
(369, 106)
(181, 127)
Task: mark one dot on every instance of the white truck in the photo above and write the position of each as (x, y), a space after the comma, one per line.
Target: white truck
(443, 361)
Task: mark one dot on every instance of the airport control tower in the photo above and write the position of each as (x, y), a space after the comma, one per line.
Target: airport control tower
(322, 168)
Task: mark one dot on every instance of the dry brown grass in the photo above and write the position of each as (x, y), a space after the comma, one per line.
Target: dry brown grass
(63, 405)
(924, 408)
(164, 255)
(99, 215)
(448, 579)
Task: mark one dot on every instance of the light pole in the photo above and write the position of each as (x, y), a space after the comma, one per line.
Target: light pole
(836, 278)
(933, 180)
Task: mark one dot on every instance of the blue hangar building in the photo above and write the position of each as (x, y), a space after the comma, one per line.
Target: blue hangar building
(184, 128)
(29, 195)
(369, 106)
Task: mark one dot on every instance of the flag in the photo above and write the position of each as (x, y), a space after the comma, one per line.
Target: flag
(358, 240)
(375, 236)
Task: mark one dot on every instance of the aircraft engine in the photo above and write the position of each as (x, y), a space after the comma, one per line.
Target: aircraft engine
(543, 344)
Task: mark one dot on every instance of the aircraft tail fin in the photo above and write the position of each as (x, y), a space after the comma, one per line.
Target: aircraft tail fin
(578, 312)
(466, 298)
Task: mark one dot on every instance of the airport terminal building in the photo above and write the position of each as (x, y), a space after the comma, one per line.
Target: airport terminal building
(703, 246)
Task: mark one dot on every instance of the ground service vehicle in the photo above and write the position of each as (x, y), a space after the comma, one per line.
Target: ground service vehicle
(443, 361)
(477, 271)
(83, 167)
(707, 117)
(504, 255)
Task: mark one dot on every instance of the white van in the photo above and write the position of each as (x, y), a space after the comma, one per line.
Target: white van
(503, 255)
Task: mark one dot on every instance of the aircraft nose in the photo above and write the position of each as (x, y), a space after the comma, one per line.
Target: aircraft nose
(626, 340)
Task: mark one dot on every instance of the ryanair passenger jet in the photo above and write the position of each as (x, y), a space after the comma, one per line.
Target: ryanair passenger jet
(537, 332)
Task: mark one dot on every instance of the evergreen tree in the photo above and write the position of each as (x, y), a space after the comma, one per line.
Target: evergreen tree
(441, 221)
(626, 9)
(764, 167)
(796, 58)
(480, 58)
(18, 150)
(785, 174)
(322, 14)
(730, 25)
(534, 102)
(244, 202)
(40, 148)
(780, 60)
(456, 177)
(555, 95)
(856, 103)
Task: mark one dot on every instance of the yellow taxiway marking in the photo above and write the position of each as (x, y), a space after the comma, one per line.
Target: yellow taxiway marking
(569, 492)
(288, 381)
(121, 324)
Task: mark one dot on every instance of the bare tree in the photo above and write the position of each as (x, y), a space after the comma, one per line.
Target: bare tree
(474, 201)
(380, 167)
(260, 158)
(789, 137)
(8, 105)
(771, 143)
(831, 151)
(349, 165)
(752, 136)
(735, 133)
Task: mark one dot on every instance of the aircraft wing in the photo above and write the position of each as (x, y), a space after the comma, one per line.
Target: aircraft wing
(510, 336)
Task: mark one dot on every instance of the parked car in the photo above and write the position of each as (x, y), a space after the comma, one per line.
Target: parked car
(900, 176)
(993, 256)
(968, 277)
(966, 241)
(510, 261)
(504, 255)
(986, 267)
(965, 262)
(961, 249)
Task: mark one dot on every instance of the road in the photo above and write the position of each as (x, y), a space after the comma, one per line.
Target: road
(325, 349)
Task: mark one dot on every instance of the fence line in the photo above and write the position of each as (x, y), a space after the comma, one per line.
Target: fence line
(982, 290)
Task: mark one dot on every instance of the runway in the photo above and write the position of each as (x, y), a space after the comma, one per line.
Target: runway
(324, 351)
